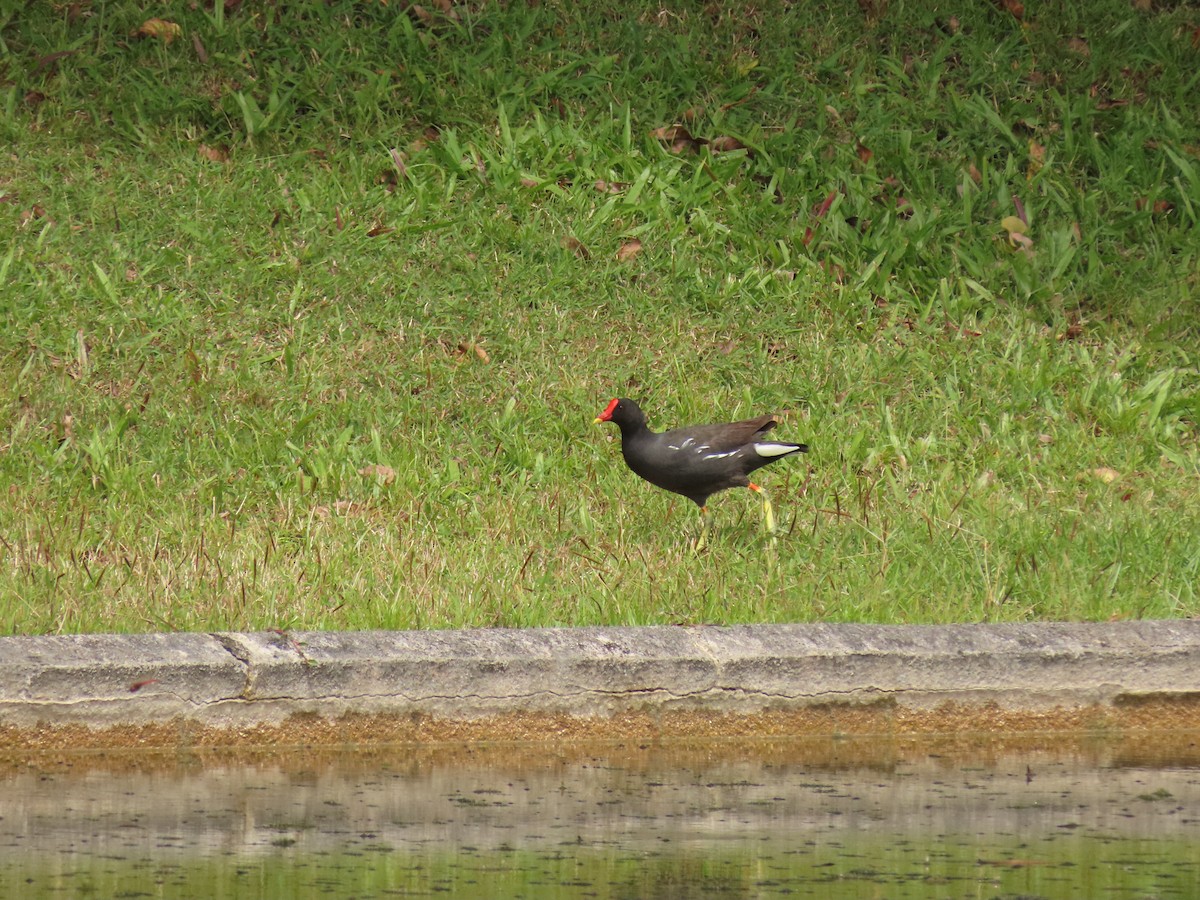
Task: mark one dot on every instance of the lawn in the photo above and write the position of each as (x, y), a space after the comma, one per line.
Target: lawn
(306, 310)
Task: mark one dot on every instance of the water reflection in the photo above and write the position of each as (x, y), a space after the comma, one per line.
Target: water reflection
(900, 818)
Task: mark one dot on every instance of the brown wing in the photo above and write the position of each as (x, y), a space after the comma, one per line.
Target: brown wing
(728, 436)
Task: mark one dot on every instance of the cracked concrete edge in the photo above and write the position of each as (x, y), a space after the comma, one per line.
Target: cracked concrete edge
(237, 680)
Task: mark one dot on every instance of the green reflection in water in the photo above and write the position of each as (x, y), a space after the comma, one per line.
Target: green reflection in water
(883, 821)
(1053, 867)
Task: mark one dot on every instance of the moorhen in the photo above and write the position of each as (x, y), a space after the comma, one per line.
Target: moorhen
(698, 460)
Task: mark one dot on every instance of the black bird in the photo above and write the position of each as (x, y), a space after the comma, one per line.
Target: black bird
(698, 460)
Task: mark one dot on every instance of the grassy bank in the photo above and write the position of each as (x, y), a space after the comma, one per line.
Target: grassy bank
(305, 313)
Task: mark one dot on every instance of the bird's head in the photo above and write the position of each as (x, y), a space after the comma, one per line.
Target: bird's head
(621, 412)
(607, 415)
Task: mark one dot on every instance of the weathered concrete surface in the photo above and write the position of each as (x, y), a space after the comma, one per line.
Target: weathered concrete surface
(112, 679)
(234, 681)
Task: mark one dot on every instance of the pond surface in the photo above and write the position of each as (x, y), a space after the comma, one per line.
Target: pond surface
(1035, 818)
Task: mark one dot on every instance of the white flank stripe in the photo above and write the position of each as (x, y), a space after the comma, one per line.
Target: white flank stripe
(774, 449)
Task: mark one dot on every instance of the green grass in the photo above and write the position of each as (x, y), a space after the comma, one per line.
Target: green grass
(202, 359)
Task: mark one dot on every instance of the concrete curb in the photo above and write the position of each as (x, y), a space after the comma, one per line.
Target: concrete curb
(229, 680)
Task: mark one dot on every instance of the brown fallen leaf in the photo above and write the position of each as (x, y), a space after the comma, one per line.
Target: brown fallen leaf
(386, 474)
(1037, 158)
(725, 144)
(34, 212)
(399, 160)
(821, 208)
(50, 59)
(467, 347)
(629, 250)
(611, 187)
(446, 8)
(1158, 208)
(529, 182)
(871, 9)
(818, 213)
(138, 685)
(576, 246)
(1020, 208)
(162, 29)
(1015, 8)
(213, 154)
(380, 230)
(864, 153)
(198, 46)
(1080, 46)
(1073, 332)
(833, 269)
(1021, 242)
(670, 133)
(678, 138)
(1106, 474)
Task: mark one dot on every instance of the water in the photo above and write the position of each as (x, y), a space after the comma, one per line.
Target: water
(1030, 818)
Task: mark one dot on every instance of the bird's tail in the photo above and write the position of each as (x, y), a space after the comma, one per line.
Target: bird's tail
(772, 449)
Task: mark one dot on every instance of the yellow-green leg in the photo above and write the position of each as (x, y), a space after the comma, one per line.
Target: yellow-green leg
(768, 510)
(703, 538)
